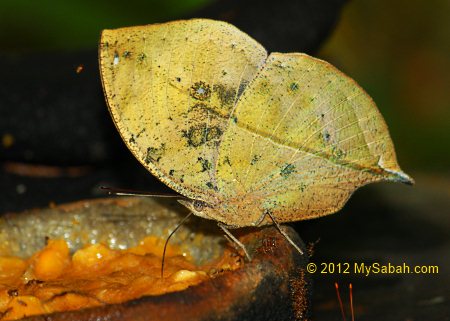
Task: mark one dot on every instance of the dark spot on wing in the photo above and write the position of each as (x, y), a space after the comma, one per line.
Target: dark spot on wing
(293, 86)
(198, 135)
(242, 87)
(195, 136)
(302, 187)
(226, 95)
(213, 133)
(200, 91)
(126, 54)
(141, 57)
(206, 164)
(337, 153)
(226, 160)
(143, 130)
(154, 154)
(287, 170)
(255, 159)
(211, 186)
(204, 107)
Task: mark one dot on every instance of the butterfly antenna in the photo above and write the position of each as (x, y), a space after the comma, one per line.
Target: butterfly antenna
(336, 285)
(350, 287)
(130, 192)
(167, 241)
(286, 236)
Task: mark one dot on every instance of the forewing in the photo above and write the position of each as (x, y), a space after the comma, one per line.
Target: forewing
(171, 88)
(308, 136)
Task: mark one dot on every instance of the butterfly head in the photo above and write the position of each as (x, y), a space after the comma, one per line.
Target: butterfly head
(198, 207)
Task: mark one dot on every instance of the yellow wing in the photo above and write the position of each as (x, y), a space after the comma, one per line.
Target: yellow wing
(171, 88)
(308, 136)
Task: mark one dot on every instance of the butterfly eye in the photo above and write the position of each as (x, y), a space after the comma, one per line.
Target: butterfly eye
(198, 205)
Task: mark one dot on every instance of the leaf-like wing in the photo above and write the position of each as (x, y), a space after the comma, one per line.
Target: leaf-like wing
(305, 137)
(171, 88)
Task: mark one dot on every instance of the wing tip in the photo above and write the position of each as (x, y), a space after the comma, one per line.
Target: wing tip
(401, 177)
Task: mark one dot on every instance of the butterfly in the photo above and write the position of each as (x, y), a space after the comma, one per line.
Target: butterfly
(248, 138)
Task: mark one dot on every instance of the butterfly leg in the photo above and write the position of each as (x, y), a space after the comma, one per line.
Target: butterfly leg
(260, 219)
(284, 233)
(234, 239)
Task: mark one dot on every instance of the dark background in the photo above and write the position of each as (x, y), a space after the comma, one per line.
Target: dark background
(58, 142)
